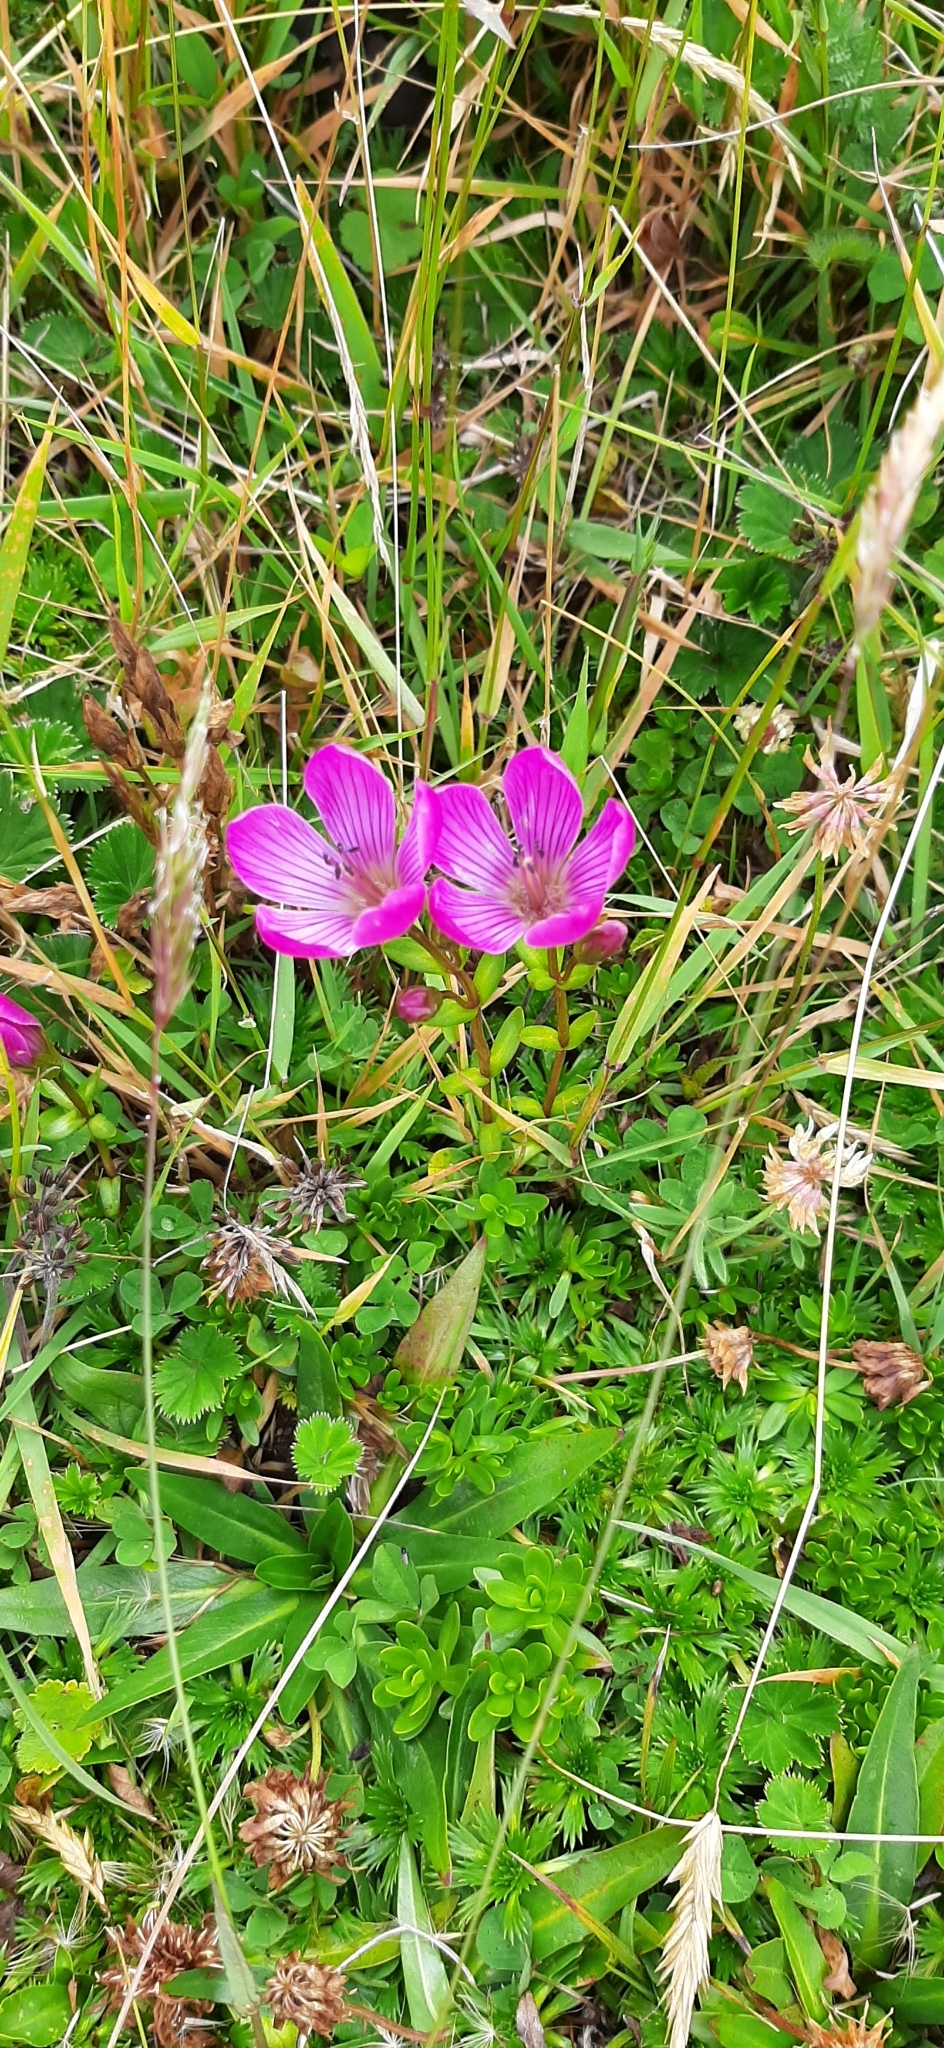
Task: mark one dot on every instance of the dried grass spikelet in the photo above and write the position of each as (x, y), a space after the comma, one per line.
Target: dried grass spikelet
(306, 1993)
(888, 509)
(76, 1852)
(893, 1373)
(178, 883)
(847, 2033)
(705, 64)
(730, 1352)
(685, 1964)
(296, 1827)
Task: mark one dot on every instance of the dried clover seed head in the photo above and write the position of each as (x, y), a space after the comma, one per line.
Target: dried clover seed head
(296, 1827)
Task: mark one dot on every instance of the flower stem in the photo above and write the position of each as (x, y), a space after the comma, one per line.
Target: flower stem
(448, 965)
(562, 1020)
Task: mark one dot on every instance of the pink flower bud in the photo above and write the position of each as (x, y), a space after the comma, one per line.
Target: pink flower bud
(603, 943)
(21, 1034)
(417, 1005)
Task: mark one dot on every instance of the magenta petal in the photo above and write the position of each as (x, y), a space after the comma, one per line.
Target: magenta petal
(276, 854)
(566, 926)
(21, 1034)
(418, 845)
(545, 804)
(391, 918)
(602, 856)
(471, 845)
(483, 922)
(308, 934)
(356, 805)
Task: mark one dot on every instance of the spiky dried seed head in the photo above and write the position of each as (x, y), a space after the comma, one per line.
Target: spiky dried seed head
(685, 1963)
(246, 1260)
(306, 1993)
(315, 1190)
(296, 1827)
(893, 1373)
(730, 1352)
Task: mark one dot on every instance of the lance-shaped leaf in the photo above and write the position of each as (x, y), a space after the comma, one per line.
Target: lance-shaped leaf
(886, 1803)
(431, 1352)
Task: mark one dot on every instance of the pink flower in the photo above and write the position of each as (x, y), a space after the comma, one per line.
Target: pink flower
(355, 887)
(22, 1036)
(549, 891)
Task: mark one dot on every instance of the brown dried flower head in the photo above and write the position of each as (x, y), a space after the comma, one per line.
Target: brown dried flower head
(179, 1947)
(246, 1260)
(801, 1183)
(296, 1827)
(306, 1993)
(314, 1190)
(893, 1373)
(777, 733)
(847, 2033)
(840, 814)
(730, 1353)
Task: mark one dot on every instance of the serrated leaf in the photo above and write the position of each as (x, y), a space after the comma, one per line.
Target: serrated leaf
(192, 1378)
(61, 1707)
(787, 1724)
(326, 1452)
(796, 1805)
(119, 867)
(24, 840)
(766, 518)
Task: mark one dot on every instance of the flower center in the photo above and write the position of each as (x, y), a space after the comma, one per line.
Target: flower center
(364, 887)
(535, 889)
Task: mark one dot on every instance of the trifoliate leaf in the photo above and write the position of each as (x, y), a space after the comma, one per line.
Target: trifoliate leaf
(794, 1804)
(192, 1378)
(119, 866)
(326, 1452)
(787, 1724)
(63, 1709)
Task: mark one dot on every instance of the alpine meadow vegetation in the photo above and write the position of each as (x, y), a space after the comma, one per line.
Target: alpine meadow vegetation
(471, 1024)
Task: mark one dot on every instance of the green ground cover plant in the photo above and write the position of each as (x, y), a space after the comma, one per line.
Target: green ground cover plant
(471, 1483)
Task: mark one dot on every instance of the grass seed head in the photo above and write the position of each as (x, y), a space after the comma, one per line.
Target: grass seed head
(888, 509)
(178, 885)
(685, 1963)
